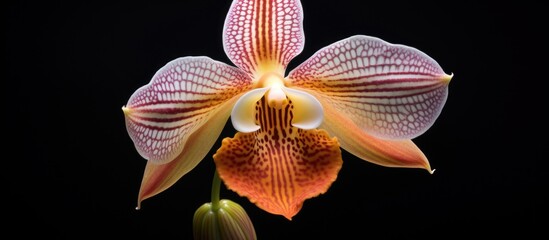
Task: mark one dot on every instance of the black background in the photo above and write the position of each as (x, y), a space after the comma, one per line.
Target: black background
(70, 171)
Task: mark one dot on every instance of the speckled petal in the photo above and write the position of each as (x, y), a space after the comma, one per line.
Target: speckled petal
(279, 166)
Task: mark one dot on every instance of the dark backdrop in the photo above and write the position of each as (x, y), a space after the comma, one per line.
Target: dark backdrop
(69, 169)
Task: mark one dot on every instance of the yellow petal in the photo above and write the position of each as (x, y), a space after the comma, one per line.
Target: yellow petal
(279, 166)
(158, 178)
(389, 153)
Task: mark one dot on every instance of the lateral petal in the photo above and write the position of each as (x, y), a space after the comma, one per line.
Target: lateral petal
(279, 166)
(391, 91)
(181, 97)
(262, 36)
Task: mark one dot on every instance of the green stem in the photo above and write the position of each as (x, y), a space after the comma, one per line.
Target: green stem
(216, 186)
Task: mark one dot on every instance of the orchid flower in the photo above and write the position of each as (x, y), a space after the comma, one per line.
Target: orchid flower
(362, 94)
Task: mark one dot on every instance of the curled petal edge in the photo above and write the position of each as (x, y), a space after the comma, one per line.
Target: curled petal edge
(309, 112)
(388, 153)
(243, 112)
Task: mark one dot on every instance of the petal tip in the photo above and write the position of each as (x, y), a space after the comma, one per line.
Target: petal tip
(447, 78)
(427, 165)
(138, 207)
(125, 110)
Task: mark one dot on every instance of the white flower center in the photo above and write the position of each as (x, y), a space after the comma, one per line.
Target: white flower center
(308, 112)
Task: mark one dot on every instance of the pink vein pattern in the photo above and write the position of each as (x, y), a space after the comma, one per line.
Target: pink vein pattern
(391, 91)
(181, 97)
(263, 31)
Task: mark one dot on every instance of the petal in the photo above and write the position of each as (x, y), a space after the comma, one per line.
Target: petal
(310, 110)
(159, 177)
(181, 97)
(279, 166)
(264, 35)
(243, 113)
(390, 91)
(389, 153)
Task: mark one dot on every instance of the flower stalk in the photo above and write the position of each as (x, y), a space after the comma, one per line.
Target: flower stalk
(216, 188)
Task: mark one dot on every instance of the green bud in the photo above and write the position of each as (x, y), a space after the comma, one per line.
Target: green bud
(228, 221)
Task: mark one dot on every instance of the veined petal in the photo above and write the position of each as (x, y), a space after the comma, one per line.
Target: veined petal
(159, 177)
(279, 166)
(390, 91)
(262, 36)
(384, 152)
(181, 97)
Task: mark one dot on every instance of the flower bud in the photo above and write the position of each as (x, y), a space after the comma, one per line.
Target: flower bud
(229, 221)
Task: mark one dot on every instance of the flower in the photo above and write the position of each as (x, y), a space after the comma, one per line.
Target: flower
(372, 96)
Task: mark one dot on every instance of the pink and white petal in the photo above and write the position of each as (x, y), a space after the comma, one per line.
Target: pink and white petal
(262, 36)
(388, 90)
(182, 97)
(159, 177)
